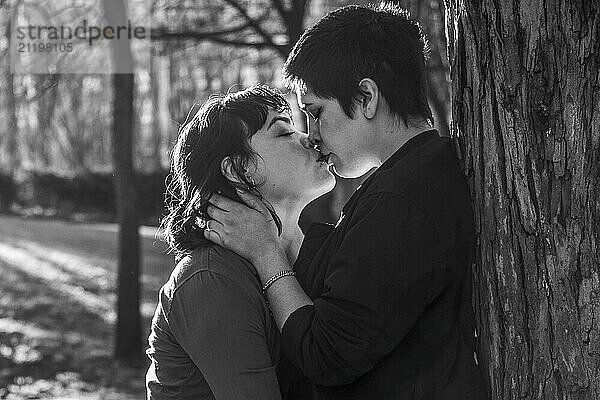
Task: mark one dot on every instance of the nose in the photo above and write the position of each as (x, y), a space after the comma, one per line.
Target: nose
(314, 136)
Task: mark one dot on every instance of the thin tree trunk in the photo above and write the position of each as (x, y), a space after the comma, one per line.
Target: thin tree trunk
(164, 117)
(156, 128)
(526, 106)
(430, 15)
(294, 24)
(46, 109)
(11, 129)
(128, 345)
(156, 131)
(12, 154)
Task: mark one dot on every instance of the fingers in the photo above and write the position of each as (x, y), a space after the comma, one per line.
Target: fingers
(213, 236)
(209, 224)
(226, 205)
(252, 201)
(216, 213)
(213, 230)
(214, 225)
(222, 202)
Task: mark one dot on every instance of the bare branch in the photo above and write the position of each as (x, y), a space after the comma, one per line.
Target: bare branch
(220, 36)
(256, 25)
(242, 43)
(163, 33)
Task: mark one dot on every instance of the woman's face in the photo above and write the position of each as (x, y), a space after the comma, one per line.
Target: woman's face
(290, 171)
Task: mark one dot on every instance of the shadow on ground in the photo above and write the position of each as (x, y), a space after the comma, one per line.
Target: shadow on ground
(57, 284)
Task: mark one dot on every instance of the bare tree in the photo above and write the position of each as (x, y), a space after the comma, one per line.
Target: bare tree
(156, 134)
(527, 117)
(11, 128)
(128, 345)
(46, 106)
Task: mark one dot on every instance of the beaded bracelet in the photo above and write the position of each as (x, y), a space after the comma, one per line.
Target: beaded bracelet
(279, 275)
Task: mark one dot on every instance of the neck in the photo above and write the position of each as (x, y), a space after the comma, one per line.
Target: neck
(395, 135)
(291, 235)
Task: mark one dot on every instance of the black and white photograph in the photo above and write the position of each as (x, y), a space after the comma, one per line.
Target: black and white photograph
(300, 199)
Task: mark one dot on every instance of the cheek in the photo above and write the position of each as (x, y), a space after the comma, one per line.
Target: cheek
(291, 164)
(276, 164)
(334, 130)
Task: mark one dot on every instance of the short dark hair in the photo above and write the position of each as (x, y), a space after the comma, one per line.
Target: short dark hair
(221, 128)
(354, 42)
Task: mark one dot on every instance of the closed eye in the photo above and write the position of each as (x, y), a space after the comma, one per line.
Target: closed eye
(287, 134)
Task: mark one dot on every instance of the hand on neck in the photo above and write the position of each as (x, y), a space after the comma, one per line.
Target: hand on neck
(291, 235)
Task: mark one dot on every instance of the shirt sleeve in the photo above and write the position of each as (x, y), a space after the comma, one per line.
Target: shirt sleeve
(387, 269)
(221, 328)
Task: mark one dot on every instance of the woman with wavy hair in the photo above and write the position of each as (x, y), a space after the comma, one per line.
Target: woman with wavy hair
(213, 336)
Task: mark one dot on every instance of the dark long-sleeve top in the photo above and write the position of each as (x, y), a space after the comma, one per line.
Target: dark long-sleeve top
(212, 334)
(391, 284)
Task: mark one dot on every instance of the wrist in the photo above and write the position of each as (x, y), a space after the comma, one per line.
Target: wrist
(275, 278)
(271, 262)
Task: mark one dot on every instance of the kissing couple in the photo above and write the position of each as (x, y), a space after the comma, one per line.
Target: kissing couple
(377, 306)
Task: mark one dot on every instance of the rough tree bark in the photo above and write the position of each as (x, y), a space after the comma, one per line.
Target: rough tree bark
(526, 106)
(128, 343)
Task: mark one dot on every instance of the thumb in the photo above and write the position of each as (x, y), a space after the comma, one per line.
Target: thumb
(252, 201)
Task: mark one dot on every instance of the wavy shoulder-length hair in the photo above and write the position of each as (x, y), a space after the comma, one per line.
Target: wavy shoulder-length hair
(221, 128)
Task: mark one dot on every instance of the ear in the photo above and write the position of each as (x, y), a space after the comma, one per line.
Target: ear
(369, 93)
(228, 171)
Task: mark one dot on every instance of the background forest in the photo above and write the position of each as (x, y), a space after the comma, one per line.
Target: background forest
(56, 127)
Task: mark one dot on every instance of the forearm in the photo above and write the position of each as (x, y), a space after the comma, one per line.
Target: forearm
(285, 295)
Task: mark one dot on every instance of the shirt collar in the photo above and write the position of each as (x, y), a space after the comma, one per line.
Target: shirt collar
(409, 146)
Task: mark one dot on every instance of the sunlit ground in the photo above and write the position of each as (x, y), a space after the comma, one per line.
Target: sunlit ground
(57, 284)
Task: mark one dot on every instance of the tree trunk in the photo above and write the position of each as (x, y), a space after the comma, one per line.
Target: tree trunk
(155, 71)
(294, 24)
(430, 15)
(12, 160)
(526, 106)
(12, 154)
(156, 131)
(128, 345)
(47, 101)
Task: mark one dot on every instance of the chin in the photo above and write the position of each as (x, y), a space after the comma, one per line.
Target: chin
(350, 171)
(323, 185)
(330, 185)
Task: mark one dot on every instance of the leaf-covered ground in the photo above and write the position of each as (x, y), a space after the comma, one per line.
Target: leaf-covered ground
(57, 284)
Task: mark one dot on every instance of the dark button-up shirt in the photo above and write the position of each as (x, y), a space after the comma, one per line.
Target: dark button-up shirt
(391, 285)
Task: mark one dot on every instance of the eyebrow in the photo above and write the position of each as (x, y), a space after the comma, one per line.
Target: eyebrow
(279, 118)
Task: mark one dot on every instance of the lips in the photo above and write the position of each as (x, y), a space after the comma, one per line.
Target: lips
(324, 158)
